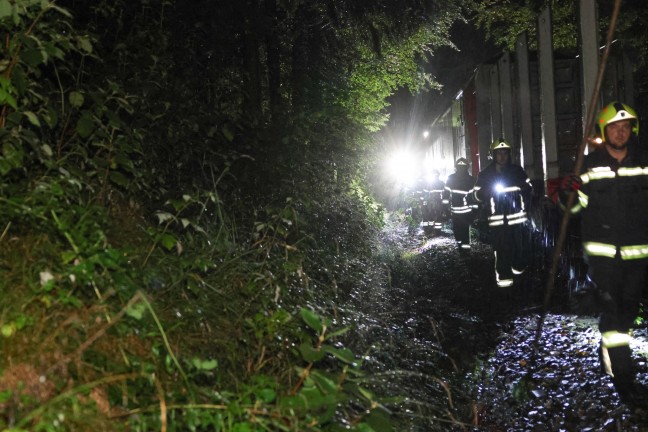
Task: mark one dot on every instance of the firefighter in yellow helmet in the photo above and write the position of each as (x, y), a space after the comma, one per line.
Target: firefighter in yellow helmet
(503, 189)
(612, 199)
(456, 196)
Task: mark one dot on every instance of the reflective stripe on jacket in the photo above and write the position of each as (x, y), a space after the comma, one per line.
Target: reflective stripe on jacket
(458, 189)
(507, 193)
(613, 203)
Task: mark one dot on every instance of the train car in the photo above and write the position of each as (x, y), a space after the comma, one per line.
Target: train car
(490, 106)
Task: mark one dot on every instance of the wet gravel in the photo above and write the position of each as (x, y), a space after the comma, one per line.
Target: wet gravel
(564, 391)
(446, 305)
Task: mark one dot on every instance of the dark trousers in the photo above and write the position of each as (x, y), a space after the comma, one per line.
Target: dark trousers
(620, 283)
(511, 244)
(461, 227)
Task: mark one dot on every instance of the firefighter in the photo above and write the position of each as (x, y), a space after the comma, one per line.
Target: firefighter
(436, 200)
(612, 200)
(456, 196)
(433, 207)
(503, 189)
(421, 195)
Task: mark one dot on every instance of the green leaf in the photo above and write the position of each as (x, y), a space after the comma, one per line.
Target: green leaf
(168, 241)
(343, 354)
(19, 80)
(267, 395)
(85, 126)
(325, 384)
(12, 155)
(5, 9)
(33, 57)
(366, 393)
(5, 395)
(68, 256)
(47, 150)
(50, 116)
(204, 364)
(310, 354)
(6, 98)
(136, 311)
(60, 9)
(84, 44)
(364, 427)
(379, 421)
(338, 332)
(312, 320)
(228, 134)
(293, 402)
(163, 216)
(243, 427)
(33, 119)
(76, 99)
(8, 330)
(118, 178)
(21, 322)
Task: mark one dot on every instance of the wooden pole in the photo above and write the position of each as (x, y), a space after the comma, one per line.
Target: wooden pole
(577, 168)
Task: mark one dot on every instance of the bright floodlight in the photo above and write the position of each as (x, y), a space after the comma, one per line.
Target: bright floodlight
(426, 134)
(402, 167)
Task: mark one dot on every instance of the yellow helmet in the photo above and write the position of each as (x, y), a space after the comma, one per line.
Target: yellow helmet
(614, 112)
(498, 144)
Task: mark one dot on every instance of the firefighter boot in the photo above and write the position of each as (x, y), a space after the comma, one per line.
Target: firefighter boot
(620, 360)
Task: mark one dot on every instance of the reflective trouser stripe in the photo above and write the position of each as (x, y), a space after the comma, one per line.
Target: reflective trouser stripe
(517, 220)
(583, 201)
(461, 210)
(605, 360)
(512, 219)
(503, 283)
(614, 339)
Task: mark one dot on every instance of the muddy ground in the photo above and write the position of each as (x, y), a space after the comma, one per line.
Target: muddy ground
(471, 344)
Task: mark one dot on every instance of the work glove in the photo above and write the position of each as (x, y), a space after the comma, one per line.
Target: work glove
(571, 183)
(481, 195)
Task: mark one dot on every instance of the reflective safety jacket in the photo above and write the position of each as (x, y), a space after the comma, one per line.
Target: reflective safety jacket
(613, 203)
(435, 192)
(457, 193)
(506, 194)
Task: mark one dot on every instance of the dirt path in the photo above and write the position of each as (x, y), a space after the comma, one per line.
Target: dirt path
(484, 337)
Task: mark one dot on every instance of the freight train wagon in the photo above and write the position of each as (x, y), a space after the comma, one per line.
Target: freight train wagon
(490, 106)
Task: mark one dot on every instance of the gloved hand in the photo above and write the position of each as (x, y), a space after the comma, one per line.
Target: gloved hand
(482, 195)
(571, 183)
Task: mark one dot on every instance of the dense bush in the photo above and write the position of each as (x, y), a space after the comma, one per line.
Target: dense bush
(183, 205)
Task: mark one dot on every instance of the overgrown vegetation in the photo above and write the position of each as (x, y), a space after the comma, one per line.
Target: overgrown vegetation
(183, 209)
